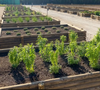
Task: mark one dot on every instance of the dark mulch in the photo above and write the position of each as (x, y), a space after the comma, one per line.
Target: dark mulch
(10, 76)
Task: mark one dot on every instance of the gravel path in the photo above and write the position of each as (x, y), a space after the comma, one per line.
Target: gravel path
(87, 24)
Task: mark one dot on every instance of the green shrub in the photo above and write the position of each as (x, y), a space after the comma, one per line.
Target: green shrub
(15, 30)
(42, 18)
(88, 12)
(49, 32)
(27, 19)
(58, 31)
(14, 57)
(16, 15)
(7, 20)
(45, 52)
(45, 30)
(28, 57)
(8, 8)
(8, 33)
(38, 32)
(43, 27)
(44, 49)
(93, 54)
(34, 19)
(73, 56)
(60, 45)
(35, 29)
(14, 20)
(20, 19)
(25, 29)
(7, 14)
(54, 28)
(28, 13)
(82, 49)
(24, 8)
(65, 28)
(28, 33)
(48, 18)
(73, 59)
(97, 13)
(61, 26)
(18, 34)
(54, 68)
(96, 38)
(38, 13)
(11, 15)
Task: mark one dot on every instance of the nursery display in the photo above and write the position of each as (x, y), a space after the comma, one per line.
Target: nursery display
(48, 62)
(36, 52)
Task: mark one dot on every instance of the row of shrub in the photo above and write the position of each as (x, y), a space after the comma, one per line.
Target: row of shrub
(38, 32)
(73, 52)
(34, 19)
(92, 12)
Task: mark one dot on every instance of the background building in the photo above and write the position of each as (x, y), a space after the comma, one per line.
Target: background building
(16, 2)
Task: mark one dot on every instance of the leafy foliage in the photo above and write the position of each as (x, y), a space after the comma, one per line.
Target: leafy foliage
(60, 45)
(45, 52)
(28, 57)
(73, 56)
(27, 19)
(8, 33)
(34, 19)
(42, 18)
(7, 20)
(14, 57)
(82, 49)
(93, 53)
(20, 19)
(14, 20)
(54, 68)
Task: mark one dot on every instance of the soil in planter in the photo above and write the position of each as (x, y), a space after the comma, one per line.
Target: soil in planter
(10, 76)
(32, 31)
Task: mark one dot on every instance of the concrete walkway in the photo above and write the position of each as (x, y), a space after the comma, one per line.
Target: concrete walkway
(1, 13)
(88, 24)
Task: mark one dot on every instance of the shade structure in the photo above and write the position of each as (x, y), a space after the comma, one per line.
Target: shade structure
(15, 2)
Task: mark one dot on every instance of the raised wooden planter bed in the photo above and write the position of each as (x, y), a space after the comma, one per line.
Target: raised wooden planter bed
(24, 16)
(54, 22)
(95, 17)
(19, 8)
(63, 10)
(76, 82)
(72, 12)
(21, 13)
(52, 8)
(82, 81)
(83, 14)
(57, 9)
(9, 41)
(42, 6)
(47, 7)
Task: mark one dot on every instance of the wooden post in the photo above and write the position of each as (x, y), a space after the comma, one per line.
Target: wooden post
(41, 86)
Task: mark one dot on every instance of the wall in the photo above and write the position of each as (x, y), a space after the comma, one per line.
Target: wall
(16, 2)
(60, 1)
